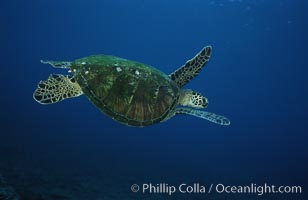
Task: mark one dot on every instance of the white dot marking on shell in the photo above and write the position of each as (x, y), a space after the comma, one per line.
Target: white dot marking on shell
(74, 70)
(118, 69)
(86, 72)
(156, 92)
(137, 72)
(83, 63)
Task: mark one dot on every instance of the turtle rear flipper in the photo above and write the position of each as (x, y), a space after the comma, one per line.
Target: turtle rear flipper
(56, 88)
(57, 64)
(192, 67)
(204, 115)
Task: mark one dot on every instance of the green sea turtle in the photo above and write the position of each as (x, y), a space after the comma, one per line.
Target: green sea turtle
(130, 92)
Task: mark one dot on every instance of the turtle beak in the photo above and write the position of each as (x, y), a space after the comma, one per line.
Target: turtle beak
(205, 102)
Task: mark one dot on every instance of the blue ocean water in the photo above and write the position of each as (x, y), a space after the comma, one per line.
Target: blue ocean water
(257, 77)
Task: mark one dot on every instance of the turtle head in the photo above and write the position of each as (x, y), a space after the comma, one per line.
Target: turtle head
(193, 99)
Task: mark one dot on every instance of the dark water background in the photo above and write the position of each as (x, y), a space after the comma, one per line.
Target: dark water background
(257, 77)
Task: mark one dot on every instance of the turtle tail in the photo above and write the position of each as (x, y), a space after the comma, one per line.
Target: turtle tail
(56, 88)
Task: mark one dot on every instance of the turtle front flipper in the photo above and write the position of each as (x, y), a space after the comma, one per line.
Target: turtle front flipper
(204, 115)
(57, 64)
(192, 67)
(56, 88)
